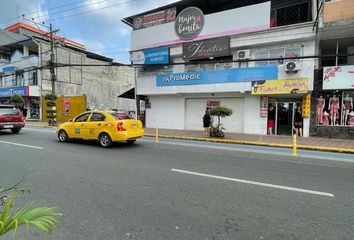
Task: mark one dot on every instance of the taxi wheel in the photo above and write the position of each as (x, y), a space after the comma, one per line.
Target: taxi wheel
(130, 141)
(63, 136)
(105, 140)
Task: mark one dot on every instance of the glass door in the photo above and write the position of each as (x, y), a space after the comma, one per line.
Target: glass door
(285, 117)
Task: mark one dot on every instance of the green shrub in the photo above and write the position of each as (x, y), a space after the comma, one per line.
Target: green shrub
(17, 100)
(219, 112)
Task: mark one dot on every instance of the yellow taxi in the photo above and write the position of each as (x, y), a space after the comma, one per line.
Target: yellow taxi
(104, 126)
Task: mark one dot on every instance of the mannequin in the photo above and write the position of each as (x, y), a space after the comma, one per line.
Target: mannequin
(347, 104)
(320, 104)
(351, 118)
(325, 120)
(333, 108)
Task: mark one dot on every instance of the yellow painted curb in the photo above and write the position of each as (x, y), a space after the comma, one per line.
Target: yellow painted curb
(231, 141)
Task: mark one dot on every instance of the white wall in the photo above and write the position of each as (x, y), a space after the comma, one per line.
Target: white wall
(195, 109)
(165, 112)
(254, 123)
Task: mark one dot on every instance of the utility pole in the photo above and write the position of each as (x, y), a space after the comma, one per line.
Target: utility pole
(51, 63)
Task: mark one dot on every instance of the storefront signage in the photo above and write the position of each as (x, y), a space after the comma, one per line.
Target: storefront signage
(219, 76)
(189, 23)
(263, 106)
(151, 56)
(339, 77)
(153, 19)
(208, 48)
(9, 69)
(8, 92)
(306, 102)
(280, 86)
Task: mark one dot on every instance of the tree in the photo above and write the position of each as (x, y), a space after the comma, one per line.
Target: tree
(219, 112)
(43, 218)
(17, 100)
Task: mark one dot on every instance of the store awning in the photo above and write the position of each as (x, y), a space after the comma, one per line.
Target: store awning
(128, 94)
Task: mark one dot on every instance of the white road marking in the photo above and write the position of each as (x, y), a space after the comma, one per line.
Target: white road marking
(254, 183)
(39, 130)
(21, 145)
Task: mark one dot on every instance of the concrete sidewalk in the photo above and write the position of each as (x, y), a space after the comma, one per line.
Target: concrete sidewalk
(320, 144)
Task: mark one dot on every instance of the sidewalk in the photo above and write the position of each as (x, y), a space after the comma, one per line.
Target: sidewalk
(311, 143)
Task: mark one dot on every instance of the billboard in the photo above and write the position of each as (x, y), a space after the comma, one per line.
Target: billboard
(338, 77)
(153, 19)
(220, 24)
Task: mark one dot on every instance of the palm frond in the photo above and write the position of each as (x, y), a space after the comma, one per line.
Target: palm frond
(44, 218)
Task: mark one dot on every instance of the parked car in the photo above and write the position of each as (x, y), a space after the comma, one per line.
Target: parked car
(104, 126)
(11, 118)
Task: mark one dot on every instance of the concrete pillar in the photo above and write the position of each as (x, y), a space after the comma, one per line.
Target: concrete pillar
(25, 51)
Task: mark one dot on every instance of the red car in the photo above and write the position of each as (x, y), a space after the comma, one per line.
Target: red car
(11, 118)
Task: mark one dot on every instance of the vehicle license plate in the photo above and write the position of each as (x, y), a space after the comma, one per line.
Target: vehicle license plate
(134, 126)
(8, 126)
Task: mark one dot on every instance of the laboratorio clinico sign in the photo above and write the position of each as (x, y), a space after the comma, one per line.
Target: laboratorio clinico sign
(189, 23)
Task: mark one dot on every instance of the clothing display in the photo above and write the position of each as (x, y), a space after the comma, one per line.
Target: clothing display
(320, 104)
(325, 119)
(351, 118)
(334, 109)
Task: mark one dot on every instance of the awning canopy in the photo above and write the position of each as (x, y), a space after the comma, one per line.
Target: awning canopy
(130, 94)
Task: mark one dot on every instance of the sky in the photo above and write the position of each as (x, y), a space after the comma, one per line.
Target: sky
(95, 23)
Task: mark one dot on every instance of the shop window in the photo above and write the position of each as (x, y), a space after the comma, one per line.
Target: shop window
(274, 54)
(334, 108)
(32, 78)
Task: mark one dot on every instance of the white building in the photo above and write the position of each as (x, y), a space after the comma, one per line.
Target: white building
(213, 63)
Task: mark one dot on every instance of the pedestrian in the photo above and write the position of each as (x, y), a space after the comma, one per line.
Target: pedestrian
(206, 122)
(271, 120)
(298, 122)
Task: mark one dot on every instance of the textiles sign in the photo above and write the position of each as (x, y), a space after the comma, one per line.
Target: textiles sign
(280, 86)
(151, 56)
(208, 48)
(339, 77)
(8, 92)
(153, 19)
(189, 23)
(220, 76)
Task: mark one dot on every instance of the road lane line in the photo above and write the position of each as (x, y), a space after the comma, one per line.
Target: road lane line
(254, 183)
(21, 145)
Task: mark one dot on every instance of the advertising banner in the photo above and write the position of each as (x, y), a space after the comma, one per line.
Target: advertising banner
(207, 48)
(339, 77)
(219, 76)
(151, 56)
(66, 106)
(215, 25)
(280, 86)
(8, 92)
(153, 19)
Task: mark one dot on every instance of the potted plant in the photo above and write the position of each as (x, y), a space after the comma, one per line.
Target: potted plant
(219, 112)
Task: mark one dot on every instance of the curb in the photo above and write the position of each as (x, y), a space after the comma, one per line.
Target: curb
(263, 144)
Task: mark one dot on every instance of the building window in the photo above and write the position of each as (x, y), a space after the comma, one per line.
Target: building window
(274, 54)
(290, 15)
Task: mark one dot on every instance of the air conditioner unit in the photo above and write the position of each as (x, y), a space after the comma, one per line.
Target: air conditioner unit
(243, 54)
(292, 66)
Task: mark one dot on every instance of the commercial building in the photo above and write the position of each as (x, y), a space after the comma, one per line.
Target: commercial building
(25, 50)
(195, 55)
(333, 112)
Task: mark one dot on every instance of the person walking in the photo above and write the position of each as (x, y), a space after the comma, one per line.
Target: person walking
(206, 122)
(298, 122)
(271, 120)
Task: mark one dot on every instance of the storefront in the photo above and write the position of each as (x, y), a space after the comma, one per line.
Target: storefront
(334, 109)
(30, 95)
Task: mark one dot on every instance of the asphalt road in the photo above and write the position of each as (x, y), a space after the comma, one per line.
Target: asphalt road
(180, 189)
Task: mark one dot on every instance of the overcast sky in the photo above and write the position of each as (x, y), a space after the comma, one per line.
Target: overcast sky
(95, 23)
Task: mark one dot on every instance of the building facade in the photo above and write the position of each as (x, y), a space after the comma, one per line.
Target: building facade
(245, 56)
(23, 53)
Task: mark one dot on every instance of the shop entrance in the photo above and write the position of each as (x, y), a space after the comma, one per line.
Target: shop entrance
(285, 116)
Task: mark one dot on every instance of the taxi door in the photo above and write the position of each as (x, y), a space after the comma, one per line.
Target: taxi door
(96, 124)
(79, 126)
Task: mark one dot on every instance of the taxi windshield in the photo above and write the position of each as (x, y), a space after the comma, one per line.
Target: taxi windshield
(120, 116)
